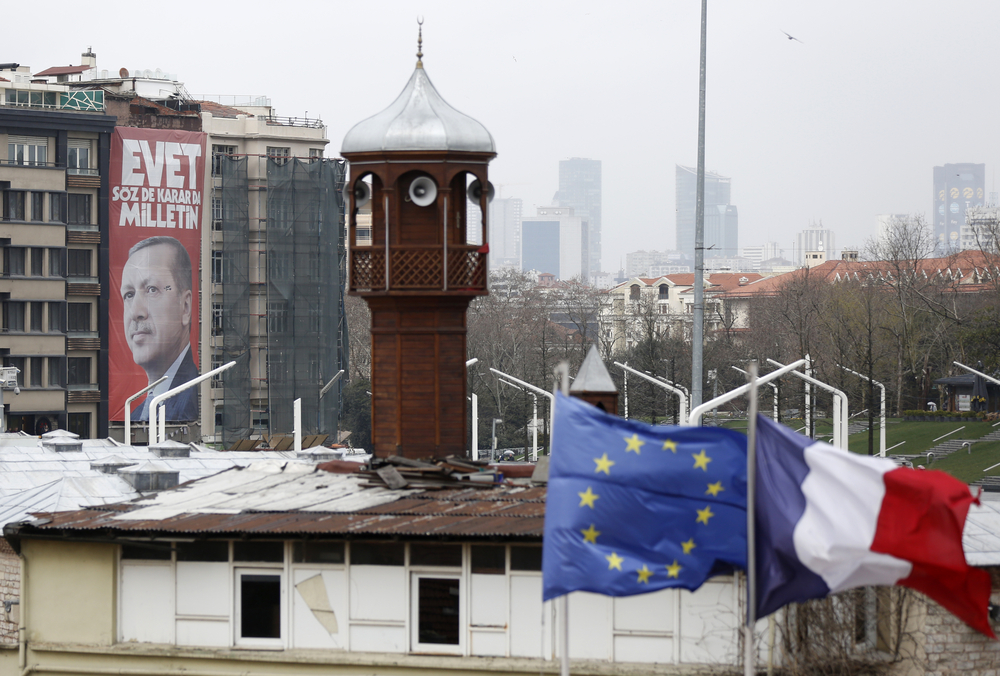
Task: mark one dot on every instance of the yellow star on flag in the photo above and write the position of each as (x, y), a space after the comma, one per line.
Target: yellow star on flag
(714, 489)
(644, 574)
(701, 460)
(704, 515)
(669, 445)
(603, 464)
(634, 444)
(688, 546)
(588, 498)
(674, 569)
(614, 561)
(590, 535)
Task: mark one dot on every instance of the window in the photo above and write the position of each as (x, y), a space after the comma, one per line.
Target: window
(436, 555)
(377, 553)
(279, 266)
(217, 267)
(279, 154)
(525, 557)
(13, 205)
(315, 154)
(258, 552)
(78, 157)
(217, 320)
(217, 379)
(13, 316)
(217, 157)
(217, 213)
(489, 559)
(437, 612)
(13, 263)
(261, 419)
(57, 372)
(37, 310)
(57, 317)
(78, 262)
(57, 202)
(315, 318)
(78, 370)
(57, 262)
(209, 550)
(79, 423)
(277, 316)
(27, 150)
(79, 209)
(37, 262)
(664, 292)
(634, 292)
(24, 97)
(78, 320)
(37, 206)
(258, 606)
(311, 551)
(35, 371)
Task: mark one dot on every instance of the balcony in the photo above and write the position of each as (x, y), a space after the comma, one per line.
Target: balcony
(418, 268)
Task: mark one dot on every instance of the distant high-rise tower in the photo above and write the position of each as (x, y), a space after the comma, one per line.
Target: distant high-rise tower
(721, 217)
(580, 188)
(555, 241)
(815, 238)
(505, 231)
(957, 188)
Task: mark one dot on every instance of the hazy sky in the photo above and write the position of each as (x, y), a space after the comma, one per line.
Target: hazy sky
(838, 128)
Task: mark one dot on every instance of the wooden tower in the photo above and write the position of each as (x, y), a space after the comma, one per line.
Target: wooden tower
(421, 266)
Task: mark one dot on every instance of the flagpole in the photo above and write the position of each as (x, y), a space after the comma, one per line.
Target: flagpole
(561, 372)
(748, 657)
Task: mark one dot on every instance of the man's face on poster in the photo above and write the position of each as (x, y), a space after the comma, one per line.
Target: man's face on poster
(157, 310)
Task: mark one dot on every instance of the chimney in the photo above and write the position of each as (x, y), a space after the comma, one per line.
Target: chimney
(88, 58)
(593, 384)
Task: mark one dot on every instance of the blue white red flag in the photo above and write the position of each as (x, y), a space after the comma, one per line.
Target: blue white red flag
(828, 520)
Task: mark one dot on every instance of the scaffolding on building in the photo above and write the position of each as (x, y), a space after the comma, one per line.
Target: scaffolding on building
(282, 275)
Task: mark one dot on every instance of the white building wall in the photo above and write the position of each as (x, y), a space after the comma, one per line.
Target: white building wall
(371, 608)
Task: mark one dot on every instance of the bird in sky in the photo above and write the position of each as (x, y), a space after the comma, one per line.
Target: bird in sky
(792, 37)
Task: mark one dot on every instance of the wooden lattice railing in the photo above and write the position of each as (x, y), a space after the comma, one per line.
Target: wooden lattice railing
(414, 268)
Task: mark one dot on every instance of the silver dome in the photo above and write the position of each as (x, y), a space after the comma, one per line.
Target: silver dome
(419, 119)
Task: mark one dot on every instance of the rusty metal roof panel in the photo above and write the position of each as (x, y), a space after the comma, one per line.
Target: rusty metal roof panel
(274, 498)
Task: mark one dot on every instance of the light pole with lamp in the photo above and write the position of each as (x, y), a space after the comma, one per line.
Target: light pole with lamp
(322, 393)
(475, 415)
(534, 418)
(773, 387)
(881, 432)
(531, 387)
(8, 379)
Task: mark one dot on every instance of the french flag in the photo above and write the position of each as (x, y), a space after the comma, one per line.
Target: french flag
(828, 520)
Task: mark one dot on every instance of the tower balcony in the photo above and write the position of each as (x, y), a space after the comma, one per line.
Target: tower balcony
(456, 269)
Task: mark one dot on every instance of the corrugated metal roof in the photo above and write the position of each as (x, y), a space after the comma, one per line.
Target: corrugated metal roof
(275, 498)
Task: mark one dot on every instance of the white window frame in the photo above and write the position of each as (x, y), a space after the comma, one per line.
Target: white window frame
(239, 571)
(463, 629)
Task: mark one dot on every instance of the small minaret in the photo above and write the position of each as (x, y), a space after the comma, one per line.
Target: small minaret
(416, 161)
(594, 385)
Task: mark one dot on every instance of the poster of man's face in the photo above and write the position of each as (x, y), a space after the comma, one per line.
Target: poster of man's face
(155, 215)
(156, 297)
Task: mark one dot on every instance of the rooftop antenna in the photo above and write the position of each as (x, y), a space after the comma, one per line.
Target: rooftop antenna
(420, 42)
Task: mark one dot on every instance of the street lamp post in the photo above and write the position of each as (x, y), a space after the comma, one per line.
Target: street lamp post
(881, 432)
(534, 419)
(773, 387)
(322, 393)
(531, 387)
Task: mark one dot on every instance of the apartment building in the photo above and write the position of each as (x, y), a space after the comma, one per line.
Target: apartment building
(54, 154)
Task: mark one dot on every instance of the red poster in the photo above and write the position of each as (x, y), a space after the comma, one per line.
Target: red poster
(157, 181)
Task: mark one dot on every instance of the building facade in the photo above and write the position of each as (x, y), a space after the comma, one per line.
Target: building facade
(580, 188)
(957, 188)
(815, 238)
(721, 217)
(505, 231)
(53, 232)
(555, 241)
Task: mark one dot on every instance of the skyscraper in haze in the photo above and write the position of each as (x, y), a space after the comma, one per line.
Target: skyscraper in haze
(957, 188)
(505, 231)
(721, 217)
(580, 188)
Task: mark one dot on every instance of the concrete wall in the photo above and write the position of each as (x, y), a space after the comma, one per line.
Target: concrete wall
(69, 592)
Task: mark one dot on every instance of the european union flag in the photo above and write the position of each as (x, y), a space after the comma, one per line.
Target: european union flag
(632, 507)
